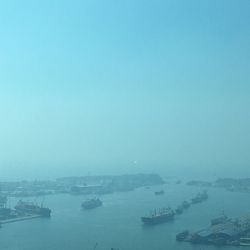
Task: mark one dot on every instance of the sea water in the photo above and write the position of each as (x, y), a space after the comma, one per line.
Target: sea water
(117, 223)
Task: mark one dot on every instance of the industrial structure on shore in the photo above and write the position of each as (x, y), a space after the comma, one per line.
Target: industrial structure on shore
(222, 231)
(22, 211)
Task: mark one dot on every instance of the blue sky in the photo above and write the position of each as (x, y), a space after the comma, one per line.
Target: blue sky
(123, 86)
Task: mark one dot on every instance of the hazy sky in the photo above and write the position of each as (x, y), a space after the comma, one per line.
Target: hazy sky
(123, 86)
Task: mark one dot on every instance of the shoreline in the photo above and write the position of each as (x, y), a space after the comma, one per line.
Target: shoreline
(28, 217)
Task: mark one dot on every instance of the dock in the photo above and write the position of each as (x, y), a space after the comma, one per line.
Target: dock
(27, 217)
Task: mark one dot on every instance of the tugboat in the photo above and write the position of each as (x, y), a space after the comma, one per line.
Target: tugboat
(92, 203)
(29, 208)
(163, 215)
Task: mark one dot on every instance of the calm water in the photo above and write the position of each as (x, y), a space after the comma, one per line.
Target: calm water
(117, 223)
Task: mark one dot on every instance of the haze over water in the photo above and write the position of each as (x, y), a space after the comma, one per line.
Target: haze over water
(119, 87)
(113, 87)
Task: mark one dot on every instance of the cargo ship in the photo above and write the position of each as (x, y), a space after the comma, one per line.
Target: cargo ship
(163, 215)
(200, 197)
(92, 203)
(30, 208)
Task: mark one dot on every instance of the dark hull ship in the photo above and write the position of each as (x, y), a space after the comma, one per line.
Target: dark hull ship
(92, 203)
(161, 216)
(161, 192)
(29, 208)
(200, 197)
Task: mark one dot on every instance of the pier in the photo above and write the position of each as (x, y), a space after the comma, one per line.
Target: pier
(27, 217)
